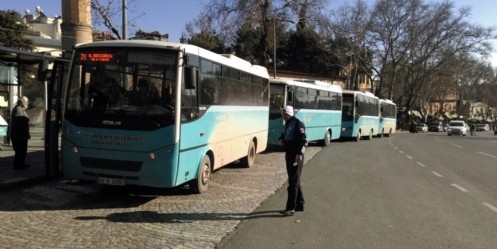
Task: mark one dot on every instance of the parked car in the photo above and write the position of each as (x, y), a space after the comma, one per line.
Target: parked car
(421, 127)
(482, 127)
(457, 127)
(436, 127)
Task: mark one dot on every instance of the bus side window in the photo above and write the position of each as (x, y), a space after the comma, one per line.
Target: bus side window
(208, 91)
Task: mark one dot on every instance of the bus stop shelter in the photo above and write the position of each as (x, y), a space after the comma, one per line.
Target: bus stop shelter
(31, 74)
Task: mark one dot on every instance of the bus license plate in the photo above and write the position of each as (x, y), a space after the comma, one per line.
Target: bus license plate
(111, 181)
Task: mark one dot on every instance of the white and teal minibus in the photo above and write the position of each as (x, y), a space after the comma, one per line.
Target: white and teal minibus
(388, 119)
(360, 115)
(160, 114)
(318, 104)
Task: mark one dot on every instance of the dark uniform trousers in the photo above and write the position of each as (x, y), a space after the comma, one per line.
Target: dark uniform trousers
(295, 196)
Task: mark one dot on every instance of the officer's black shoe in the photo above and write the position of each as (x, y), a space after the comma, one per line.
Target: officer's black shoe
(287, 212)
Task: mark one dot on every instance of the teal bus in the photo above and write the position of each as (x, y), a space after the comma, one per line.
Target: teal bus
(360, 115)
(388, 119)
(318, 104)
(160, 114)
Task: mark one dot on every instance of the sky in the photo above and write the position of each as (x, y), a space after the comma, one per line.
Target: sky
(171, 16)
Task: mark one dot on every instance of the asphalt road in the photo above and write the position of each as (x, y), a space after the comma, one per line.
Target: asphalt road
(408, 191)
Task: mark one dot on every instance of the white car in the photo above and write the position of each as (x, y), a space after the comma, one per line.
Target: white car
(457, 127)
(482, 127)
(422, 127)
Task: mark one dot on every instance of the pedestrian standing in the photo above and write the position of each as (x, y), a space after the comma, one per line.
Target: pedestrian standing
(19, 133)
(472, 129)
(294, 141)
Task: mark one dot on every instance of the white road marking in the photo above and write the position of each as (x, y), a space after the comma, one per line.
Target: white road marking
(492, 207)
(410, 157)
(401, 151)
(459, 187)
(420, 164)
(485, 154)
(458, 146)
(437, 174)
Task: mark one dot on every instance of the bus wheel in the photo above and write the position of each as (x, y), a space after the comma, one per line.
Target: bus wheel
(327, 139)
(201, 184)
(249, 160)
(358, 136)
(380, 135)
(370, 136)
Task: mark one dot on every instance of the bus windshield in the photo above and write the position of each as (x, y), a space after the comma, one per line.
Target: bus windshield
(122, 83)
(348, 107)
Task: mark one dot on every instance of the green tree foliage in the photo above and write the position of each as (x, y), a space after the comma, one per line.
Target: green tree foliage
(12, 31)
(247, 44)
(209, 41)
(304, 53)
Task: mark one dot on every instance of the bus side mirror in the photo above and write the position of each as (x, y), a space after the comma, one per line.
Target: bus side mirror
(42, 70)
(190, 77)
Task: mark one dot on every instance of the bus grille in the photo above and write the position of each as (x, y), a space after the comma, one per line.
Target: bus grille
(98, 163)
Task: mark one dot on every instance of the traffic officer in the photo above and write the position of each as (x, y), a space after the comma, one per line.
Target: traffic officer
(294, 141)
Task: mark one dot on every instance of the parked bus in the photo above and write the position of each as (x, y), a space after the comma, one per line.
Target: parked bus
(160, 114)
(388, 120)
(316, 103)
(360, 115)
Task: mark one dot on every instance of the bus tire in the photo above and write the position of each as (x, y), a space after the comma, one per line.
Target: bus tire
(249, 160)
(358, 136)
(370, 136)
(327, 139)
(380, 135)
(201, 184)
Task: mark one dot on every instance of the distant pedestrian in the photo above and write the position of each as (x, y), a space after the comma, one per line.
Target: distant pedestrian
(294, 141)
(412, 127)
(472, 129)
(19, 133)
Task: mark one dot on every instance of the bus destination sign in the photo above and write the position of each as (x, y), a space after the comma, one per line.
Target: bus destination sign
(96, 57)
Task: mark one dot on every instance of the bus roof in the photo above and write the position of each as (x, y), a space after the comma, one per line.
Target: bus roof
(229, 60)
(387, 101)
(360, 92)
(318, 85)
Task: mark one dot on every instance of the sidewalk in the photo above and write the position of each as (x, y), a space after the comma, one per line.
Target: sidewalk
(10, 178)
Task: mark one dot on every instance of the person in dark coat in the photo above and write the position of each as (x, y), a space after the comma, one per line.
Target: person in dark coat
(19, 133)
(294, 141)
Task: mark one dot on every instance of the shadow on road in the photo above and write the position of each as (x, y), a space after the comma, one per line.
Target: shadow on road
(154, 217)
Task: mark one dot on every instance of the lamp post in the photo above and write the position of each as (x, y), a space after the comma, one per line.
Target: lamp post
(125, 20)
(274, 48)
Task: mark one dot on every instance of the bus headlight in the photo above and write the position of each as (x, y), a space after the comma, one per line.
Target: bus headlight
(151, 156)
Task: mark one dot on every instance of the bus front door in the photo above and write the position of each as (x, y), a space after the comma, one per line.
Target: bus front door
(53, 119)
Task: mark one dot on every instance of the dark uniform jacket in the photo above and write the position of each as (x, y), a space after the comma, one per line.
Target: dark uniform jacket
(294, 137)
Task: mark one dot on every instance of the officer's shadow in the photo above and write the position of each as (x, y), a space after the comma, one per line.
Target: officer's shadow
(154, 217)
